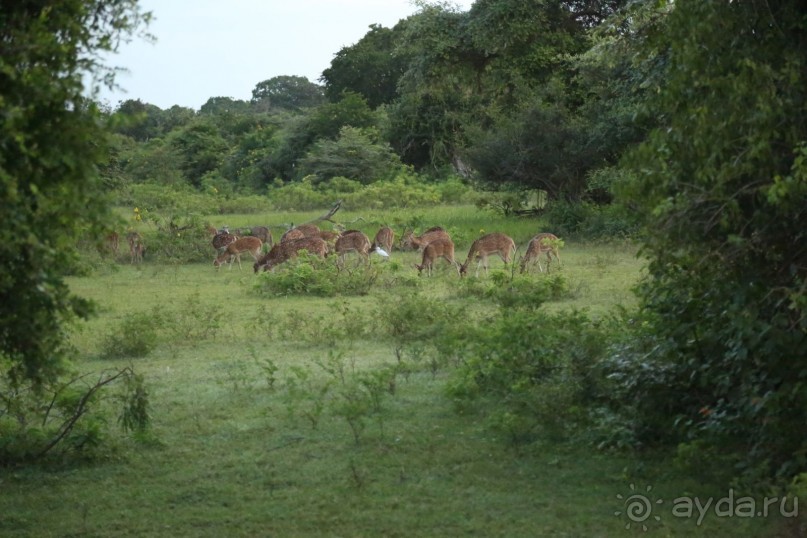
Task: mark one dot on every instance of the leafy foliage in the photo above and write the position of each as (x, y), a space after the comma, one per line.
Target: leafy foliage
(538, 367)
(370, 68)
(287, 92)
(355, 154)
(310, 275)
(722, 185)
(51, 140)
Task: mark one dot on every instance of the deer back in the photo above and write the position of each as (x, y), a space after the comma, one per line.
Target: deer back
(291, 235)
(263, 233)
(244, 244)
(492, 243)
(221, 240)
(312, 245)
(354, 241)
(537, 244)
(411, 241)
(442, 246)
(384, 238)
(309, 230)
(303, 230)
(249, 244)
(284, 251)
(328, 237)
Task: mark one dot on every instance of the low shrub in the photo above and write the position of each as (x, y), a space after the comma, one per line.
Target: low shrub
(188, 245)
(538, 368)
(516, 291)
(136, 335)
(590, 221)
(405, 190)
(68, 419)
(310, 275)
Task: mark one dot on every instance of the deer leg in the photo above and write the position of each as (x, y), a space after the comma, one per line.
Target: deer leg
(479, 261)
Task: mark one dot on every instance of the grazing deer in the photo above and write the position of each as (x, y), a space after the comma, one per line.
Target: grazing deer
(410, 242)
(292, 235)
(441, 247)
(285, 250)
(303, 230)
(492, 243)
(543, 242)
(328, 237)
(136, 247)
(352, 241)
(384, 239)
(222, 239)
(263, 233)
(234, 250)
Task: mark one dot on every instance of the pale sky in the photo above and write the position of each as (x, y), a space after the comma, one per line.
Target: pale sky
(210, 48)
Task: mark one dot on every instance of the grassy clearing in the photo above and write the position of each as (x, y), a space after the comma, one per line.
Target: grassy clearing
(235, 451)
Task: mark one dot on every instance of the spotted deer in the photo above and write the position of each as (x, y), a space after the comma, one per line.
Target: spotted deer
(328, 237)
(136, 247)
(298, 232)
(411, 242)
(352, 241)
(286, 250)
(492, 243)
(442, 247)
(113, 243)
(233, 251)
(263, 233)
(384, 239)
(222, 239)
(540, 243)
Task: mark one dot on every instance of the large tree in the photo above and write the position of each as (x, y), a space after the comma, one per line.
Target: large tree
(287, 93)
(723, 183)
(51, 141)
(321, 123)
(371, 68)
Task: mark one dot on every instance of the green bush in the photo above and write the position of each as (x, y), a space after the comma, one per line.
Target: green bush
(168, 199)
(134, 336)
(538, 368)
(67, 419)
(191, 245)
(405, 190)
(299, 196)
(590, 221)
(310, 275)
(516, 291)
(243, 204)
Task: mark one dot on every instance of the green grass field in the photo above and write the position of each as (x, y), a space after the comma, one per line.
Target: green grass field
(235, 451)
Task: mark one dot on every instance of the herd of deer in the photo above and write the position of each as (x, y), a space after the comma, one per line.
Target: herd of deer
(434, 243)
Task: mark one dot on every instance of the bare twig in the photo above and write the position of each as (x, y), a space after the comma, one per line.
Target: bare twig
(81, 408)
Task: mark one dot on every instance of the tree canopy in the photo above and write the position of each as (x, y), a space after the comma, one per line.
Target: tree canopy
(52, 140)
(722, 183)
